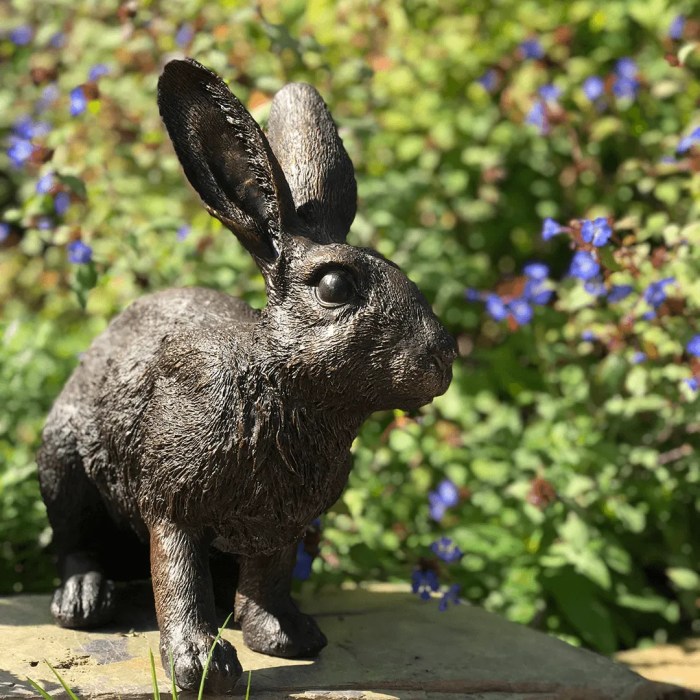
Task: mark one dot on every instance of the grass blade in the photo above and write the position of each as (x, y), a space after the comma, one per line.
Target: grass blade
(200, 695)
(247, 690)
(39, 689)
(156, 692)
(70, 693)
(172, 674)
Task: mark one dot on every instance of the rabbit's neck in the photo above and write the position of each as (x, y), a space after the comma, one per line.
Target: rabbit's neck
(306, 426)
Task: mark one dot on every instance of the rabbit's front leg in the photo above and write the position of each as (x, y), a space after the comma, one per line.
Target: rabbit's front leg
(184, 599)
(270, 620)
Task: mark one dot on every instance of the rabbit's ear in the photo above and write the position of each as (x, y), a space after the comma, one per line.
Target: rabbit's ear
(319, 171)
(226, 157)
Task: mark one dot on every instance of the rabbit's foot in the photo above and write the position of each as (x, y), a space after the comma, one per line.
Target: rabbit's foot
(190, 656)
(84, 600)
(288, 634)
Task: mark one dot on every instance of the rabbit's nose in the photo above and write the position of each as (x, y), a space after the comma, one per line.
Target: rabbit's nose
(444, 350)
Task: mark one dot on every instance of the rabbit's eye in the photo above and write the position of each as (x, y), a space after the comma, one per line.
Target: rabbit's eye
(335, 288)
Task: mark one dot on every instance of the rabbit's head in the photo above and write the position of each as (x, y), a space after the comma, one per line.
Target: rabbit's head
(339, 318)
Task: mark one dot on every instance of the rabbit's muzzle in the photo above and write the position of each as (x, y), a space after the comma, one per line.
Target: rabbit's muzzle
(442, 354)
(426, 370)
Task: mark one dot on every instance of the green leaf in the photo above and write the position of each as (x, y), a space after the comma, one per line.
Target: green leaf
(205, 670)
(39, 689)
(578, 602)
(685, 579)
(69, 692)
(75, 184)
(247, 690)
(154, 680)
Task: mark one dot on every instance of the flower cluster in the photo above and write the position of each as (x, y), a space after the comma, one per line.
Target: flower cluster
(25, 145)
(425, 578)
(516, 302)
(447, 550)
(307, 550)
(424, 581)
(445, 496)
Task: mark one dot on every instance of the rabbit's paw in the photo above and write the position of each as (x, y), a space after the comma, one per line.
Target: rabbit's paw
(190, 656)
(84, 600)
(289, 634)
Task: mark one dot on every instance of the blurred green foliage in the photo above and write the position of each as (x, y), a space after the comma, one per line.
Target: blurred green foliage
(577, 468)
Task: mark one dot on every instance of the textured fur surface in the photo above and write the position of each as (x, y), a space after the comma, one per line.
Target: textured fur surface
(195, 424)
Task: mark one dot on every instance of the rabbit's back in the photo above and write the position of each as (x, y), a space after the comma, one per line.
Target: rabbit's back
(99, 411)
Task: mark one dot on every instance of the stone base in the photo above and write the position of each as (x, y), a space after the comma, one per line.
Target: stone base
(669, 663)
(384, 643)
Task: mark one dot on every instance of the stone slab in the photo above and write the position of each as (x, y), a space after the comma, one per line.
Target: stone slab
(668, 663)
(384, 644)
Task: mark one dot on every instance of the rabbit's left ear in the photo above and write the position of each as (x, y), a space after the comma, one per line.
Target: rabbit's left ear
(226, 157)
(319, 171)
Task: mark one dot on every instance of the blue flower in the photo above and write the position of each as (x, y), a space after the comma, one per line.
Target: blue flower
(19, 151)
(79, 253)
(437, 507)
(21, 36)
(626, 83)
(595, 287)
(521, 310)
(536, 271)
(48, 96)
(450, 596)
(588, 335)
(693, 346)
(45, 183)
(584, 265)
(537, 293)
(4, 231)
(550, 228)
(184, 35)
(445, 496)
(78, 101)
(648, 316)
(61, 203)
(496, 308)
(597, 232)
(593, 87)
(448, 492)
(625, 87)
(23, 128)
(655, 293)
(423, 582)
(638, 357)
(97, 71)
(531, 48)
(489, 80)
(549, 93)
(675, 31)
(302, 566)
(692, 383)
(44, 223)
(183, 232)
(626, 68)
(26, 128)
(537, 116)
(619, 292)
(447, 550)
(688, 141)
(471, 294)
(57, 40)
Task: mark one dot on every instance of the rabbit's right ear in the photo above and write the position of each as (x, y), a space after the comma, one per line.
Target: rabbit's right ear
(226, 157)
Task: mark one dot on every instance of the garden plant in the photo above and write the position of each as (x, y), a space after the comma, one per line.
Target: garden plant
(533, 167)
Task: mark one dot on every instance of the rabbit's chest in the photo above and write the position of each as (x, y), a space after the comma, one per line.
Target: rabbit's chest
(269, 518)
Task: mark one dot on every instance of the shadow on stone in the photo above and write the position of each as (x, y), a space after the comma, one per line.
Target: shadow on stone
(380, 640)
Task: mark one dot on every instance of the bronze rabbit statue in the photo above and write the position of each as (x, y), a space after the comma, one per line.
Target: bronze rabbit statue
(203, 436)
